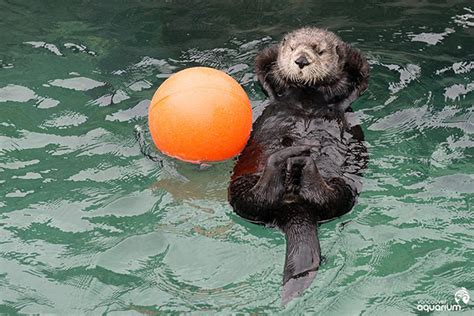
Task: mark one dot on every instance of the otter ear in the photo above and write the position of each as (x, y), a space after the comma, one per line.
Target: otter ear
(264, 63)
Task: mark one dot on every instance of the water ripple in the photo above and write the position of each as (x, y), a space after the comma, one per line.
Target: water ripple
(90, 226)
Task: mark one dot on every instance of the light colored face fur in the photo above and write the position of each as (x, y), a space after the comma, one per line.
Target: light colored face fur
(317, 47)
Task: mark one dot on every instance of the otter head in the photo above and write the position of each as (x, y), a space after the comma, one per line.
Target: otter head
(309, 56)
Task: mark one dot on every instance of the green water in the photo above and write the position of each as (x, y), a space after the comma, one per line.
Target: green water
(90, 226)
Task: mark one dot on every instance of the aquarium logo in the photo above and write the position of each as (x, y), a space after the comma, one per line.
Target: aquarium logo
(461, 295)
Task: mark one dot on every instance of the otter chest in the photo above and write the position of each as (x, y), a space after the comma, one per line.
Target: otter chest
(309, 128)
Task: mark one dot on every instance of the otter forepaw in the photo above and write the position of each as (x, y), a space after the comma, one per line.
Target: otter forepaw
(271, 185)
(303, 173)
(280, 157)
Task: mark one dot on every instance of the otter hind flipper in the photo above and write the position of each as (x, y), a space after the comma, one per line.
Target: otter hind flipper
(303, 257)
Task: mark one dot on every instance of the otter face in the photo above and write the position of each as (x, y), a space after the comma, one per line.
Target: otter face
(308, 56)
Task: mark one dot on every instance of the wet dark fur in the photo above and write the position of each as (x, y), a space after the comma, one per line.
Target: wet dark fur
(303, 161)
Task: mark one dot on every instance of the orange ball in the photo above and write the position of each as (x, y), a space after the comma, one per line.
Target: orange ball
(200, 114)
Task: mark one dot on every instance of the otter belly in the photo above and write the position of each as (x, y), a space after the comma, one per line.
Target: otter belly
(328, 140)
(336, 152)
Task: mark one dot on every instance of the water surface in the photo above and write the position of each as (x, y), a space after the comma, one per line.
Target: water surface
(88, 225)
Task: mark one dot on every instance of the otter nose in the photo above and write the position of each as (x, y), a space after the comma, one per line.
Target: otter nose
(302, 62)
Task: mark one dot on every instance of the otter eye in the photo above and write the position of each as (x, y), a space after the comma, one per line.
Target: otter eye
(321, 52)
(292, 48)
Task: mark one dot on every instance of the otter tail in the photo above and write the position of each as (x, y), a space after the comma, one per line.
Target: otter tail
(303, 256)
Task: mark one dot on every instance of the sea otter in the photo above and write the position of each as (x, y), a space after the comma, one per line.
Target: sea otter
(303, 161)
